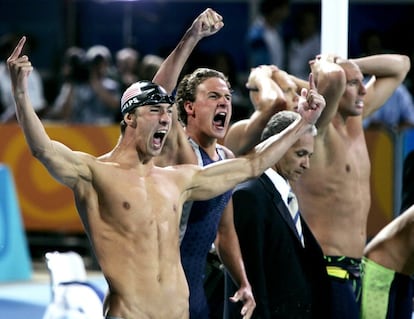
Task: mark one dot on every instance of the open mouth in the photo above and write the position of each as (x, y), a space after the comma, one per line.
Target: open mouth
(159, 137)
(220, 119)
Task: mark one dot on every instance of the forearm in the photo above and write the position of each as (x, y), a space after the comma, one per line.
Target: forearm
(33, 129)
(216, 178)
(268, 99)
(271, 150)
(265, 93)
(262, 156)
(58, 159)
(230, 255)
(169, 71)
(300, 83)
(384, 65)
(245, 134)
(206, 24)
(250, 134)
(387, 72)
(228, 248)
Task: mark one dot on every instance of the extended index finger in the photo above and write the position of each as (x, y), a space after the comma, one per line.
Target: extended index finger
(18, 49)
(312, 85)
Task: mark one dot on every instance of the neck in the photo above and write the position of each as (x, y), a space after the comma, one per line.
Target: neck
(126, 152)
(208, 144)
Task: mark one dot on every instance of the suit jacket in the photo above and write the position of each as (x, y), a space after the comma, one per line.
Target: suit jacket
(287, 279)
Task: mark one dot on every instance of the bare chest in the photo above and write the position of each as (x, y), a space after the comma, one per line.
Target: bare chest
(343, 155)
(132, 201)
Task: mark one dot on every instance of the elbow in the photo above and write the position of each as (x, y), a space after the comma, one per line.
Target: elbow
(406, 63)
(401, 64)
(37, 153)
(404, 66)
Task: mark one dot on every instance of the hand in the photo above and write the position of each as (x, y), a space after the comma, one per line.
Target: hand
(245, 295)
(324, 62)
(311, 103)
(258, 73)
(207, 23)
(265, 94)
(282, 78)
(329, 57)
(19, 68)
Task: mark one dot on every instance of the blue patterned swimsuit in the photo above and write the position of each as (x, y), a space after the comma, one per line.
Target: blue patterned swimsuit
(200, 233)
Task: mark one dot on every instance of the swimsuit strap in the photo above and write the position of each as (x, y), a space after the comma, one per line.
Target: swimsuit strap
(199, 152)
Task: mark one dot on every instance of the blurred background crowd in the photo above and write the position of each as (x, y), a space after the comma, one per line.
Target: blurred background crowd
(87, 51)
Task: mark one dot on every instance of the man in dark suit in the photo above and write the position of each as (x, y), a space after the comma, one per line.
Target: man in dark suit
(287, 275)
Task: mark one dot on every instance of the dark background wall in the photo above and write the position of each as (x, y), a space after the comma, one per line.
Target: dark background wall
(150, 26)
(156, 26)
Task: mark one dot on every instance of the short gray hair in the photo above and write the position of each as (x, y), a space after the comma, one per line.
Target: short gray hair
(280, 121)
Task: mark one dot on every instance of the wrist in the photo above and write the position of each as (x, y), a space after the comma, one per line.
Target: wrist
(19, 92)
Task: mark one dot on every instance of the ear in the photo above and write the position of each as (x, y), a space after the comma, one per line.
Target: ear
(189, 108)
(130, 119)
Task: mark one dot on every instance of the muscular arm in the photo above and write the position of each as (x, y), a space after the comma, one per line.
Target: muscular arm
(393, 246)
(330, 81)
(61, 162)
(388, 71)
(228, 249)
(207, 23)
(247, 133)
(249, 220)
(221, 176)
(177, 150)
(267, 98)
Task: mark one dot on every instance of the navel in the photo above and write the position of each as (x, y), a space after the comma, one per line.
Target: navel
(348, 168)
(126, 205)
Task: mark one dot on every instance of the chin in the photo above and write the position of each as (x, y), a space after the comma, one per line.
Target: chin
(156, 151)
(222, 132)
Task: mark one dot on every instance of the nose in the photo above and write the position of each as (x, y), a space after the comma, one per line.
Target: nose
(362, 90)
(222, 101)
(165, 116)
(305, 162)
